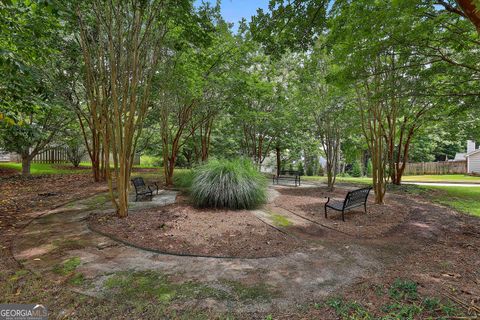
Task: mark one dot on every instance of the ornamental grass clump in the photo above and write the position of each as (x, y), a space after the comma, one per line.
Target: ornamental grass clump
(232, 184)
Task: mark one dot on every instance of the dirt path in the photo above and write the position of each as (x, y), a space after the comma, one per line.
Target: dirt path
(337, 256)
(300, 276)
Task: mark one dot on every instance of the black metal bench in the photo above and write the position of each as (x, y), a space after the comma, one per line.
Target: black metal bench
(143, 190)
(355, 198)
(287, 175)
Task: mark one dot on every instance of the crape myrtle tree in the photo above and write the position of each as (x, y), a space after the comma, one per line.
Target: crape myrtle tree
(122, 43)
(75, 85)
(392, 52)
(31, 114)
(325, 107)
(189, 90)
(261, 106)
(389, 72)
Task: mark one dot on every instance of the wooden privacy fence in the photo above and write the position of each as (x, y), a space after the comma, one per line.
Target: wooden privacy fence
(441, 167)
(54, 155)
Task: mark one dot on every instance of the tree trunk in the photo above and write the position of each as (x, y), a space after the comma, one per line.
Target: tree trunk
(279, 160)
(472, 13)
(26, 161)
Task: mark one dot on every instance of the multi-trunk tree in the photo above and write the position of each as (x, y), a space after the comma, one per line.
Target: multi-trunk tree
(122, 44)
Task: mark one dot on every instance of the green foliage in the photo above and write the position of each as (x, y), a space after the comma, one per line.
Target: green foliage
(348, 309)
(68, 266)
(309, 170)
(300, 169)
(150, 161)
(320, 172)
(183, 178)
(403, 290)
(356, 169)
(233, 184)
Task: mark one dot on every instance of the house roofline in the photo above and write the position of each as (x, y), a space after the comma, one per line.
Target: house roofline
(472, 153)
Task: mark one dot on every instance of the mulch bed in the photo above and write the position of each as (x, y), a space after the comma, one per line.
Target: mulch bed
(22, 198)
(7, 172)
(309, 202)
(182, 229)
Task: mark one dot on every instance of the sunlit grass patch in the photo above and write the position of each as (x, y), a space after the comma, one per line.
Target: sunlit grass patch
(280, 221)
(464, 199)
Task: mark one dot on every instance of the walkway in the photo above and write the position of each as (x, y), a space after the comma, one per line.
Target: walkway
(330, 262)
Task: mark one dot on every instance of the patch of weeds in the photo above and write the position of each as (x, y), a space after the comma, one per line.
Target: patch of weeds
(77, 279)
(348, 309)
(403, 290)
(67, 267)
(280, 221)
(97, 201)
(379, 290)
(401, 311)
(449, 309)
(242, 292)
(431, 304)
(145, 287)
(18, 275)
(268, 317)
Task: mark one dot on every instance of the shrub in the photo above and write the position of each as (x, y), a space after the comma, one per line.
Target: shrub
(300, 169)
(309, 170)
(321, 171)
(233, 184)
(356, 169)
(183, 178)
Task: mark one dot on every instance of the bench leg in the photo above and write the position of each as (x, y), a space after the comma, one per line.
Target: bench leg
(343, 215)
(365, 207)
(325, 211)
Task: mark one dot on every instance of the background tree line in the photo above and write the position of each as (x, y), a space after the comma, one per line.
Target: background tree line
(367, 85)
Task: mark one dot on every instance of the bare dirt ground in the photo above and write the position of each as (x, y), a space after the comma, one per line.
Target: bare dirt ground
(409, 238)
(22, 199)
(436, 247)
(182, 229)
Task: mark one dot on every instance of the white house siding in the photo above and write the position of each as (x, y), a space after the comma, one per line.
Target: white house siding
(474, 163)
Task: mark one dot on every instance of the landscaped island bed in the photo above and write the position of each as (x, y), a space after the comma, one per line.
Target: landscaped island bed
(309, 203)
(184, 230)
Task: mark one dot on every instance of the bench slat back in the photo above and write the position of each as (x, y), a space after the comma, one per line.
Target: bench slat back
(289, 173)
(138, 182)
(356, 197)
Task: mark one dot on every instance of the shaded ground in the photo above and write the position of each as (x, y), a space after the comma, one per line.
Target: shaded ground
(22, 199)
(182, 229)
(435, 248)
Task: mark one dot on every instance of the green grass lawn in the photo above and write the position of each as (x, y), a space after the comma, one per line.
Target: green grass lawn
(442, 178)
(45, 168)
(446, 178)
(360, 180)
(57, 168)
(464, 199)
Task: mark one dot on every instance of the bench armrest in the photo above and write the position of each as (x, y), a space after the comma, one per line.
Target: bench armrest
(328, 200)
(153, 187)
